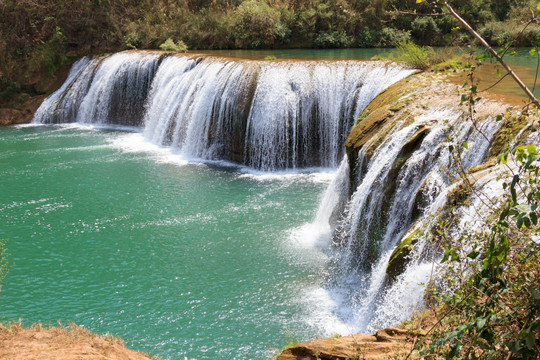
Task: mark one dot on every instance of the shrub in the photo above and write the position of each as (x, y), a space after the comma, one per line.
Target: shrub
(132, 40)
(368, 38)
(494, 313)
(170, 45)
(418, 57)
(496, 33)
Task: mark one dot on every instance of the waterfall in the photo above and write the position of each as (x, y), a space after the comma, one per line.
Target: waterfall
(109, 90)
(264, 115)
(399, 181)
(274, 116)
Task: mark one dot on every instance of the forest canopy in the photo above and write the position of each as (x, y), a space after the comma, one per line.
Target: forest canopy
(38, 36)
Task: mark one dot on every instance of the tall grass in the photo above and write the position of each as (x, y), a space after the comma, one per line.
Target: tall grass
(424, 57)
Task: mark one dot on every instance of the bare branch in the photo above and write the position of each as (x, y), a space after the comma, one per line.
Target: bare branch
(477, 36)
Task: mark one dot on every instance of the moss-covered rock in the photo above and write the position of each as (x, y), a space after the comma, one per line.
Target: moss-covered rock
(400, 257)
(511, 127)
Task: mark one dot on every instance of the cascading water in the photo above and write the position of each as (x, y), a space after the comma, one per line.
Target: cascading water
(265, 115)
(109, 90)
(287, 115)
(400, 179)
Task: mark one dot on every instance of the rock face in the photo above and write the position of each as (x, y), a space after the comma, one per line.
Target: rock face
(388, 343)
(22, 112)
(58, 343)
(22, 107)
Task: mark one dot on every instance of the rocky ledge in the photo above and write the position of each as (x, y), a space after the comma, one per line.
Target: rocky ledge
(389, 343)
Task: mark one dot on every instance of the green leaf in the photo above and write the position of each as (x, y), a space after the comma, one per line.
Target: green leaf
(465, 145)
(532, 51)
(481, 322)
(531, 149)
(538, 7)
(515, 180)
(534, 218)
(530, 341)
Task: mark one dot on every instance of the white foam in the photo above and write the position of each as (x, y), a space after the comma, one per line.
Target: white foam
(311, 235)
(323, 307)
(135, 143)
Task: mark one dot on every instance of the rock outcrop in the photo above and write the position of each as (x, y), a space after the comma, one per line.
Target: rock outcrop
(389, 343)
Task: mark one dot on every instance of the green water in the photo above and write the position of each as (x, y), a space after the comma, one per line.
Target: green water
(301, 54)
(178, 259)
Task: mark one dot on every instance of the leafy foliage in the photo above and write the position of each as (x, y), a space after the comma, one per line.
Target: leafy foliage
(170, 45)
(495, 312)
(257, 25)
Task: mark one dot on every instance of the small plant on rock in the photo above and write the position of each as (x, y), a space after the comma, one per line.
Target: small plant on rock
(170, 45)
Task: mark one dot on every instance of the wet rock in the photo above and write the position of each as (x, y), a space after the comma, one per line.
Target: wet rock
(400, 257)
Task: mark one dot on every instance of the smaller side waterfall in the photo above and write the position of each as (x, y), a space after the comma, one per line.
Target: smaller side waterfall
(398, 180)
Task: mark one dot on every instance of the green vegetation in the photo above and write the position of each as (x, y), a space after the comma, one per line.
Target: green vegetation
(494, 313)
(38, 37)
(492, 310)
(170, 45)
(415, 56)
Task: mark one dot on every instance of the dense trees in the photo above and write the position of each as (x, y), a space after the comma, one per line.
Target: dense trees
(37, 35)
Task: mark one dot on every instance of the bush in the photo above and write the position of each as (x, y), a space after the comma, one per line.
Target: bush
(418, 57)
(494, 313)
(132, 40)
(496, 33)
(170, 45)
(368, 39)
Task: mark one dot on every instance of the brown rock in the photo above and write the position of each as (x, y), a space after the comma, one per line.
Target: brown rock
(11, 116)
(391, 335)
(388, 343)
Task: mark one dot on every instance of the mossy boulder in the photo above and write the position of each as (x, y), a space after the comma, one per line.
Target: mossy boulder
(400, 257)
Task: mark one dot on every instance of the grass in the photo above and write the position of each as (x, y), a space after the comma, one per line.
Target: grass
(425, 57)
